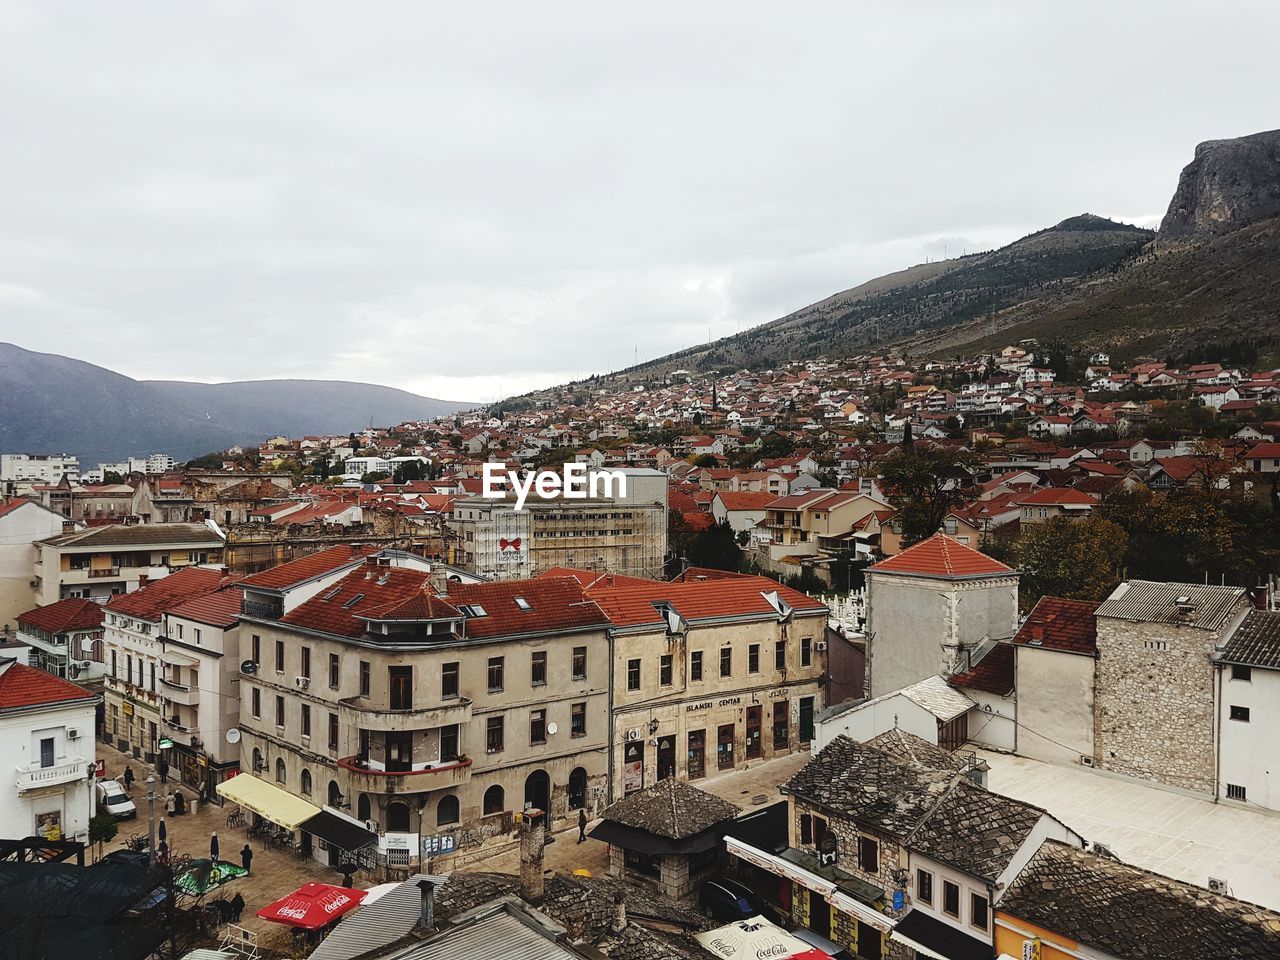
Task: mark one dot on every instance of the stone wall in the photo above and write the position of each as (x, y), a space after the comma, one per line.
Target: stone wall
(1154, 703)
(892, 856)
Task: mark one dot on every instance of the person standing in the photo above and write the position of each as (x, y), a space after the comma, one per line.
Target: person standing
(128, 778)
(179, 803)
(582, 824)
(162, 768)
(169, 803)
(246, 859)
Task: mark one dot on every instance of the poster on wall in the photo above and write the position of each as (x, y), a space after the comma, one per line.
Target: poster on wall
(49, 825)
(633, 767)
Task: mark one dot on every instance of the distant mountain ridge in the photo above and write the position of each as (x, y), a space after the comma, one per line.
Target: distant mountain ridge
(56, 404)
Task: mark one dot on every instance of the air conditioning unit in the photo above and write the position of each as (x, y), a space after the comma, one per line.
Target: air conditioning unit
(820, 645)
(371, 825)
(1217, 885)
(302, 682)
(73, 733)
(633, 734)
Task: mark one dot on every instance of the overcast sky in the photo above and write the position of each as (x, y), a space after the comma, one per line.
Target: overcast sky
(469, 200)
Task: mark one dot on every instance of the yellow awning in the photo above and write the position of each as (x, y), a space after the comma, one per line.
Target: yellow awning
(267, 800)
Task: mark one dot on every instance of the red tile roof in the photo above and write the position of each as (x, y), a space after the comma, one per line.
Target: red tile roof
(298, 571)
(339, 609)
(220, 609)
(1264, 451)
(941, 556)
(734, 500)
(1049, 496)
(64, 615)
(1058, 624)
(632, 606)
(555, 604)
(589, 577)
(992, 674)
(158, 596)
(23, 686)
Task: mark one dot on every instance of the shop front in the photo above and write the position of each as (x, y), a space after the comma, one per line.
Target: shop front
(820, 898)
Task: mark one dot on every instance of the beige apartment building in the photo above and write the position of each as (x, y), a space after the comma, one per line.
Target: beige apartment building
(425, 707)
(805, 524)
(710, 675)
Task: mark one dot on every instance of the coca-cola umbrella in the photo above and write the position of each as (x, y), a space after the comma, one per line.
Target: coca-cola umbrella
(312, 906)
(757, 939)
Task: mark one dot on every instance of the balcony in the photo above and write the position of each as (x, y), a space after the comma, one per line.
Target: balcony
(362, 779)
(104, 573)
(34, 776)
(354, 713)
(175, 692)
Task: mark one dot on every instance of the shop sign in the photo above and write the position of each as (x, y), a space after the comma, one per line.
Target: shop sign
(708, 704)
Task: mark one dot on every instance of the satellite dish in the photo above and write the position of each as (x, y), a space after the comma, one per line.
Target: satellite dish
(552, 728)
(233, 735)
(249, 667)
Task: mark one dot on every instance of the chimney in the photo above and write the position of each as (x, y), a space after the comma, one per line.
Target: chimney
(142, 580)
(68, 526)
(1037, 633)
(532, 840)
(427, 910)
(619, 912)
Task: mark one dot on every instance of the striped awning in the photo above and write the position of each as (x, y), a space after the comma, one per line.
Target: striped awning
(267, 800)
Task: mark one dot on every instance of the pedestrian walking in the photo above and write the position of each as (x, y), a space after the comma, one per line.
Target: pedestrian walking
(162, 768)
(246, 859)
(170, 805)
(237, 907)
(179, 803)
(582, 824)
(128, 778)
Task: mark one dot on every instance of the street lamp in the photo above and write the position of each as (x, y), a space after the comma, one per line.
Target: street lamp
(151, 820)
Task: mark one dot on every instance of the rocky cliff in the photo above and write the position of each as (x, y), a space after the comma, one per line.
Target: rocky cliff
(1229, 183)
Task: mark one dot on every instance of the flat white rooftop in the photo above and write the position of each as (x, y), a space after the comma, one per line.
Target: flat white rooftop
(1169, 833)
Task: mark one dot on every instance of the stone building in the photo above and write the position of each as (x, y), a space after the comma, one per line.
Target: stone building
(1154, 699)
(666, 837)
(930, 607)
(709, 675)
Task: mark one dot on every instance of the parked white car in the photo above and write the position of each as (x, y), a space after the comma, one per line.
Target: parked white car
(113, 799)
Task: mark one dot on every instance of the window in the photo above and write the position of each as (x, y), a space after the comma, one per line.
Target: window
(806, 651)
(537, 726)
(868, 855)
(978, 910)
(447, 810)
(726, 661)
(806, 829)
(780, 655)
(664, 670)
(306, 720)
(924, 887)
(538, 668)
(333, 731)
(523, 604)
(449, 742)
(255, 703)
(495, 674)
(256, 647)
(1241, 672)
(279, 711)
(1158, 645)
(279, 656)
(449, 680)
(695, 667)
(153, 676)
(334, 670)
(633, 674)
(578, 720)
(46, 752)
(806, 719)
(753, 658)
(306, 662)
(494, 800)
(282, 774)
(579, 663)
(950, 899)
(1235, 791)
(365, 677)
(1240, 713)
(305, 782)
(400, 680)
(114, 672)
(493, 735)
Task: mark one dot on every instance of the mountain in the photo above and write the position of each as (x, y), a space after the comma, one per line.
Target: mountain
(924, 298)
(1230, 183)
(55, 404)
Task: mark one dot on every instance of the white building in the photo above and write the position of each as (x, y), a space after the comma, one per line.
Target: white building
(23, 523)
(26, 468)
(1249, 713)
(46, 754)
(359, 466)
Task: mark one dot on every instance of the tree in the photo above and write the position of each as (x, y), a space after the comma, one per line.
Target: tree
(408, 471)
(705, 460)
(375, 476)
(923, 485)
(716, 547)
(103, 828)
(1072, 559)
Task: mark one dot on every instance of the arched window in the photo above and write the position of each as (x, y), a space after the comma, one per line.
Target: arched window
(306, 782)
(537, 790)
(257, 760)
(447, 810)
(335, 795)
(495, 800)
(577, 789)
(398, 818)
(281, 773)
(362, 807)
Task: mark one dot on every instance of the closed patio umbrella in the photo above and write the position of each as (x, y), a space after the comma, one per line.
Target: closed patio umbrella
(213, 847)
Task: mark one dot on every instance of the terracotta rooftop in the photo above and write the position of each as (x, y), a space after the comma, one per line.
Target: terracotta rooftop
(315, 565)
(139, 535)
(23, 686)
(218, 609)
(1057, 624)
(549, 604)
(339, 609)
(745, 500)
(158, 596)
(633, 605)
(72, 614)
(992, 674)
(1050, 496)
(942, 556)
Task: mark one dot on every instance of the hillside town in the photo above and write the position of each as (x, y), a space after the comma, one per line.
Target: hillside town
(868, 658)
